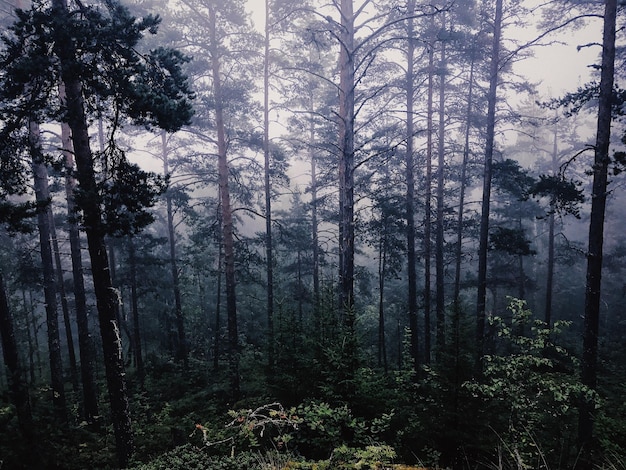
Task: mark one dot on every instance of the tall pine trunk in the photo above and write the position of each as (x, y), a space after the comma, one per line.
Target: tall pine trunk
(428, 210)
(134, 300)
(42, 195)
(85, 345)
(492, 98)
(268, 191)
(439, 226)
(410, 189)
(589, 364)
(227, 215)
(181, 343)
(106, 297)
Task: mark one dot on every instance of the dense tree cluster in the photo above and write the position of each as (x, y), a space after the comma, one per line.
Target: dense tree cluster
(353, 233)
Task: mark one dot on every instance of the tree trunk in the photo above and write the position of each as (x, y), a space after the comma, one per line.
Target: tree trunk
(439, 229)
(42, 195)
(346, 164)
(551, 223)
(492, 98)
(382, 272)
(181, 343)
(410, 191)
(64, 304)
(141, 372)
(85, 344)
(218, 297)
(107, 298)
(466, 150)
(18, 390)
(227, 216)
(268, 191)
(428, 210)
(589, 364)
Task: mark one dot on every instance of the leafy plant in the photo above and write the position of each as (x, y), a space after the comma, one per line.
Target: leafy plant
(532, 385)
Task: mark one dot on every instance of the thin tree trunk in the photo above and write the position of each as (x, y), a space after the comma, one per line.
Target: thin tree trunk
(227, 216)
(42, 195)
(268, 191)
(29, 336)
(410, 191)
(466, 149)
(382, 272)
(141, 373)
(218, 297)
(64, 305)
(106, 297)
(589, 364)
(439, 235)
(428, 210)
(492, 98)
(551, 223)
(181, 346)
(18, 390)
(85, 344)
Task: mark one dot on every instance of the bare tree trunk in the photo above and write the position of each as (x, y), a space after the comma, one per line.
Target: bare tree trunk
(227, 216)
(382, 272)
(64, 305)
(141, 372)
(42, 195)
(589, 364)
(492, 98)
(268, 191)
(18, 390)
(551, 223)
(410, 191)
(346, 164)
(85, 344)
(427, 211)
(466, 149)
(439, 235)
(181, 343)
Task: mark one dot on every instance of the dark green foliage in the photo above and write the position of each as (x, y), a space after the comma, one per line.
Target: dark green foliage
(509, 176)
(127, 194)
(510, 240)
(565, 196)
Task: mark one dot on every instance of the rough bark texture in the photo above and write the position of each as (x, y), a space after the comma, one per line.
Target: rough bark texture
(346, 163)
(427, 212)
(492, 98)
(268, 190)
(410, 190)
(589, 363)
(439, 226)
(141, 371)
(85, 344)
(227, 216)
(106, 297)
(42, 195)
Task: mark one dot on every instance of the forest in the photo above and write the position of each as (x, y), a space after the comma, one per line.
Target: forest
(332, 235)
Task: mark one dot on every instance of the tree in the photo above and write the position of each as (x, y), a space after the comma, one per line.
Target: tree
(136, 90)
(602, 158)
(492, 98)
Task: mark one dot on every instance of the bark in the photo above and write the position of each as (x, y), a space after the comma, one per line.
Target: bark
(64, 304)
(181, 343)
(382, 273)
(439, 227)
(18, 390)
(410, 190)
(227, 216)
(551, 223)
(42, 196)
(486, 197)
(218, 296)
(589, 364)
(466, 149)
(346, 164)
(427, 211)
(268, 191)
(85, 344)
(141, 372)
(106, 297)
